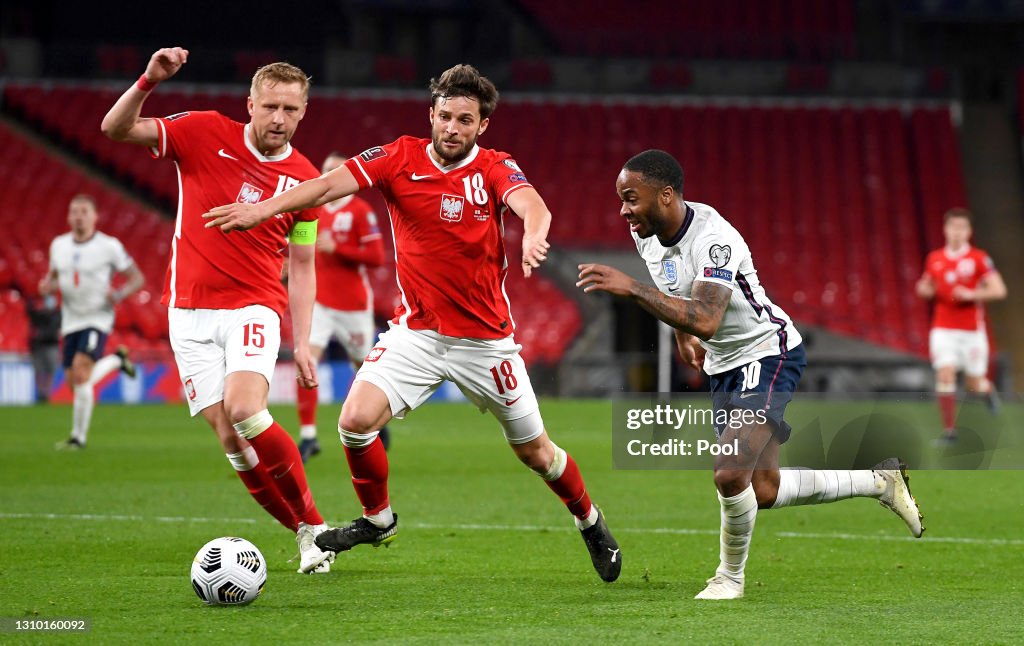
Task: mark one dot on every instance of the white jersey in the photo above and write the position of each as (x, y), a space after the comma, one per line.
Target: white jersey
(708, 248)
(84, 270)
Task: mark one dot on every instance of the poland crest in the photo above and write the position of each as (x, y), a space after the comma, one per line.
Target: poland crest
(451, 207)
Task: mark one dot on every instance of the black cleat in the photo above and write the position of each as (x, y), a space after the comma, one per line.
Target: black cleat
(70, 444)
(127, 365)
(359, 532)
(945, 441)
(604, 550)
(309, 448)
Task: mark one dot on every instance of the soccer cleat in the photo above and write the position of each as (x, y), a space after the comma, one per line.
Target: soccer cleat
(70, 444)
(360, 531)
(897, 496)
(721, 587)
(604, 550)
(945, 441)
(312, 560)
(127, 365)
(308, 448)
(993, 401)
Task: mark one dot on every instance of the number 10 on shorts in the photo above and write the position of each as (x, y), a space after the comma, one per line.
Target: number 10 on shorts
(751, 375)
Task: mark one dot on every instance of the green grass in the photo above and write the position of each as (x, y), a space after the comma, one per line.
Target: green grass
(486, 554)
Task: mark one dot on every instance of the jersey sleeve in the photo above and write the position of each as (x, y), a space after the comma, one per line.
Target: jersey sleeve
(373, 166)
(177, 134)
(986, 266)
(506, 177)
(717, 257)
(122, 261)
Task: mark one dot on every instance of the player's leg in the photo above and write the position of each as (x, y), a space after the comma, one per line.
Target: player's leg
(356, 332)
(946, 360)
(83, 397)
(307, 400)
(400, 373)
(976, 371)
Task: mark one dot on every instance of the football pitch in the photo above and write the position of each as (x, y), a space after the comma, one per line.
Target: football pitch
(485, 553)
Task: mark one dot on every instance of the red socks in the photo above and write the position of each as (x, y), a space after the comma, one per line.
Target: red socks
(277, 451)
(570, 488)
(261, 488)
(947, 407)
(306, 403)
(369, 467)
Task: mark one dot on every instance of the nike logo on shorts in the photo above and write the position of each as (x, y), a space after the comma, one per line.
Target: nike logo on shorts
(510, 402)
(225, 155)
(254, 354)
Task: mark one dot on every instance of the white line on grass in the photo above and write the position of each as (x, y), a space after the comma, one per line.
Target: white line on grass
(966, 540)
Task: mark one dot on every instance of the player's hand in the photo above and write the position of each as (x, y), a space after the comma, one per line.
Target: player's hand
(47, 286)
(235, 216)
(325, 244)
(962, 293)
(925, 287)
(535, 251)
(165, 63)
(305, 368)
(693, 353)
(606, 279)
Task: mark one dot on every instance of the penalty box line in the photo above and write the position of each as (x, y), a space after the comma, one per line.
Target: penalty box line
(963, 540)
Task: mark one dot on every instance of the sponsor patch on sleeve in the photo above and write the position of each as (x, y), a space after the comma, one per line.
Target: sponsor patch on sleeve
(718, 273)
(517, 177)
(373, 153)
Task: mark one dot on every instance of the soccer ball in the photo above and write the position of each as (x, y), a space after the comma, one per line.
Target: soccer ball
(228, 571)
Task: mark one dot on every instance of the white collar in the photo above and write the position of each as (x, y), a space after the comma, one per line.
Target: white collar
(447, 169)
(260, 156)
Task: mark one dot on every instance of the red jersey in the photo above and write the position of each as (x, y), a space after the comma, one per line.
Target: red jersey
(449, 252)
(947, 271)
(341, 282)
(217, 164)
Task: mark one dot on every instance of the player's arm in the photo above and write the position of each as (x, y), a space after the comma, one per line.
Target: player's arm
(925, 287)
(699, 315)
(369, 253)
(123, 122)
(527, 203)
(301, 294)
(135, 281)
(991, 287)
(49, 284)
(311, 193)
(690, 349)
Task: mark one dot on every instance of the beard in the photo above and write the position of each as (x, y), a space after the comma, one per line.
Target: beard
(452, 157)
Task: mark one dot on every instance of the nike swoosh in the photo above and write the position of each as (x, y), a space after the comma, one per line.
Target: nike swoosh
(225, 155)
(417, 178)
(745, 395)
(509, 403)
(673, 289)
(281, 475)
(254, 354)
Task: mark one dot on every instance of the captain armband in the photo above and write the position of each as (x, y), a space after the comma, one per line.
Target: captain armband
(303, 233)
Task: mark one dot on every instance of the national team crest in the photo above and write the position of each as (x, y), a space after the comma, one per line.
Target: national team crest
(374, 355)
(669, 267)
(451, 207)
(190, 390)
(249, 194)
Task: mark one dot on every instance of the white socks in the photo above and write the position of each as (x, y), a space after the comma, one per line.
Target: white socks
(810, 487)
(738, 515)
(84, 401)
(382, 518)
(307, 432)
(589, 521)
(104, 367)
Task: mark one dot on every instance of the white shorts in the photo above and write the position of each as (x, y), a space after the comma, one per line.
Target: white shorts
(353, 330)
(965, 350)
(211, 344)
(409, 365)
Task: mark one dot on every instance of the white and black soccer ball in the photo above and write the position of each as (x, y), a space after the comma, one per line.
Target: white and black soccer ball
(228, 571)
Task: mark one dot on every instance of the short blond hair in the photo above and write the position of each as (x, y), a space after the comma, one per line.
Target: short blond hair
(84, 197)
(280, 72)
(958, 212)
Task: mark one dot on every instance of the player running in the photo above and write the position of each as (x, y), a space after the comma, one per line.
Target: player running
(708, 291)
(446, 197)
(82, 263)
(348, 241)
(223, 292)
(960, 279)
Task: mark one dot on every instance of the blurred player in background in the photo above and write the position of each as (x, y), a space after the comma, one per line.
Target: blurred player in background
(348, 241)
(708, 291)
(960, 279)
(82, 264)
(223, 292)
(446, 197)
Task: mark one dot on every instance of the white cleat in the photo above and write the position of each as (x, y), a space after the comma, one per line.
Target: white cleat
(721, 587)
(312, 560)
(897, 496)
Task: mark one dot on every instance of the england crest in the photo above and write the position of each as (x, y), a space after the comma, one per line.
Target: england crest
(669, 267)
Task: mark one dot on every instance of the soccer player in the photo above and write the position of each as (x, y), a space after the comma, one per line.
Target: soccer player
(708, 291)
(82, 263)
(347, 243)
(960, 279)
(446, 196)
(223, 292)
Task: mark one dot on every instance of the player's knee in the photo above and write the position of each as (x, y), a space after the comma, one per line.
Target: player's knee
(766, 492)
(355, 440)
(253, 425)
(731, 482)
(358, 419)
